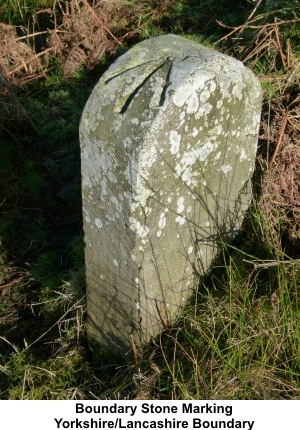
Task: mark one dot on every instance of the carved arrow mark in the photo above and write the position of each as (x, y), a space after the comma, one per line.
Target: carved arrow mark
(166, 64)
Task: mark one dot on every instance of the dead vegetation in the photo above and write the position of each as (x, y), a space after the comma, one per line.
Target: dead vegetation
(81, 33)
(271, 55)
(83, 37)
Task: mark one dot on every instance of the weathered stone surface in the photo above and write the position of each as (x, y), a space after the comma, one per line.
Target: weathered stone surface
(168, 141)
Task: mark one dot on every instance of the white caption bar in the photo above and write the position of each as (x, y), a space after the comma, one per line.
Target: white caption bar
(72, 414)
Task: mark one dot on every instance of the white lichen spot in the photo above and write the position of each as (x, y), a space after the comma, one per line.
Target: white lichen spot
(115, 201)
(158, 234)
(184, 168)
(98, 222)
(88, 219)
(199, 254)
(141, 197)
(116, 263)
(203, 111)
(180, 220)
(140, 229)
(147, 210)
(188, 177)
(162, 221)
(226, 168)
(148, 154)
(204, 183)
(175, 139)
(180, 205)
(218, 155)
(187, 92)
(127, 142)
(112, 177)
(103, 184)
(137, 306)
(190, 250)
(195, 132)
(237, 90)
(204, 152)
(134, 121)
(204, 96)
(243, 155)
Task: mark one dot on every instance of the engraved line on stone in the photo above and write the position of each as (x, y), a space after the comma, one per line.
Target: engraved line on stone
(130, 68)
(133, 94)
(185, 58)
(167, 82)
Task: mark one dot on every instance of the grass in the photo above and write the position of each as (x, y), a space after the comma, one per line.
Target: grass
(239, 336)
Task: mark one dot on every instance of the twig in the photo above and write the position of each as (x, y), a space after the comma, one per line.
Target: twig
(279, 47)
(243, 26)
(182, 348)
(15, 281)
(162, 317)
(272, 263)
(235, 29)
(260, 45)
(250, 16)
(27, 36)
(101, 22)
(134, 351)
(289, 53)
(279, 140)
(256, 51)
(293, 124)
(30, 59)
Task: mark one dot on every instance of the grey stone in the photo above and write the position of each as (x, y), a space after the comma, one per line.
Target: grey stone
(168, 140)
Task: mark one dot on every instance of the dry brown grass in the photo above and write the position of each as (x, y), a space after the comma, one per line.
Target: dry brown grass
(280, 158)
(79, 36)
(262, 46)
(18, 62)
(83, 37)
